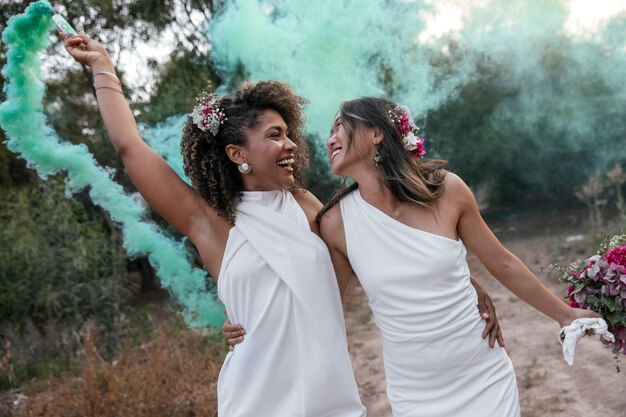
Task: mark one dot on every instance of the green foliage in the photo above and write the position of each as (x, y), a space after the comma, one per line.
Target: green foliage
(70, 102)
(180, 81)
(531, 137)
(12, 170)
(320, 181)
(58, 263)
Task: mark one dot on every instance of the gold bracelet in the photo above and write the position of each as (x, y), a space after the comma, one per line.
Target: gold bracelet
(110, 74)
(110, 88)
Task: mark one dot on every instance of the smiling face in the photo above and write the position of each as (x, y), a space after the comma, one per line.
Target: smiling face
(270, 152)
(338, 144)
(350, 146)
(250, 133)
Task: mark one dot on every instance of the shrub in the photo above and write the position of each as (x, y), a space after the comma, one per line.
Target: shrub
(59, 266)
(174, 374)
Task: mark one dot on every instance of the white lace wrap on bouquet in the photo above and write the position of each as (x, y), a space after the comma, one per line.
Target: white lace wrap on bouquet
(570, 335)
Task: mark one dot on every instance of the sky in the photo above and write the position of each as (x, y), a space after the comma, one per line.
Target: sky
(584, 18)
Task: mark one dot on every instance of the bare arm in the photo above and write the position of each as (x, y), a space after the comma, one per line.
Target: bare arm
(502, 264)
(332, 233)
(168, 194)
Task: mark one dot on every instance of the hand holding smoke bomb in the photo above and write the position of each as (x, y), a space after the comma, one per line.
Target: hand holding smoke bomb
(65, 28)
(22, 118)
(63, 24)
(89, 52)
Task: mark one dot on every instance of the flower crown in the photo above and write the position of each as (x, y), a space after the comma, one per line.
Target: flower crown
(208, 114)
(401, 117)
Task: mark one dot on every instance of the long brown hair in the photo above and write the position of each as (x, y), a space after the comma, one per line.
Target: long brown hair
(206, 163)
(410, 179)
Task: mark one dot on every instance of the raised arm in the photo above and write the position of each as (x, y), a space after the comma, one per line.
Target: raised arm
(159, 185)
(502, 264)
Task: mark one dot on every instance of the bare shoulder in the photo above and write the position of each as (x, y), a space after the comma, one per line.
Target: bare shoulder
(453, 182)
(332, 218)
(457, 194)
(305, 197)
(309, 203)
(331, 227)
(455, 188)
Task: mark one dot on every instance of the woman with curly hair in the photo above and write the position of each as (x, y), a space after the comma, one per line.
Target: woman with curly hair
(245, 156)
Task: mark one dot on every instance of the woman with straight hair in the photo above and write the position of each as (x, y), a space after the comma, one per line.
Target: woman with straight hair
(402, 228)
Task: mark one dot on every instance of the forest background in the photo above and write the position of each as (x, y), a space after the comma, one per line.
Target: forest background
(538, 127)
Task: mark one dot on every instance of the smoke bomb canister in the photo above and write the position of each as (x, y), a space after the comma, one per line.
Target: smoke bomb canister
(63, 25)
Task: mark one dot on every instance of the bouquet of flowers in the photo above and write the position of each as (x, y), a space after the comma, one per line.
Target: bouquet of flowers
(599, 284)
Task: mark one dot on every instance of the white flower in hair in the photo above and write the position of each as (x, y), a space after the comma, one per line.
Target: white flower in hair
(402, 118)
(207, 113)
(409, 141)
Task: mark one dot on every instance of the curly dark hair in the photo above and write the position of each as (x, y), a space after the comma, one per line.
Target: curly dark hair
(206, 163)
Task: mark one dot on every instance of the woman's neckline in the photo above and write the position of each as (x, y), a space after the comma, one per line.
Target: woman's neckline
(261, 197)
(392, 219)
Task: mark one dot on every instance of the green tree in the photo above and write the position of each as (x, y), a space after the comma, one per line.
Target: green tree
(533, 135)
(62, 260)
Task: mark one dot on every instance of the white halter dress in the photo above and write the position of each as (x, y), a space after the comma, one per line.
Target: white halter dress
(277, 280)
(418, 287)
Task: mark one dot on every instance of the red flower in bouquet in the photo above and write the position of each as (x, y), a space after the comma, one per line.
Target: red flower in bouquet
(617, 256)
(599, 284)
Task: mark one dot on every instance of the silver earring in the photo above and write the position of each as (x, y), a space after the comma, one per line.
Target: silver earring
(244, 168)
(377, 157)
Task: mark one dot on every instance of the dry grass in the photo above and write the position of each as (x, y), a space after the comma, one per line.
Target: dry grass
(174, 375)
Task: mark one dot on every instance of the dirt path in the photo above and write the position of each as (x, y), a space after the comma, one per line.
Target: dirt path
(548, 387)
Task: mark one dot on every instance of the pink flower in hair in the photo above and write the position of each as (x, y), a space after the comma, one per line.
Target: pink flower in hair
(401, 117)
(420, 149)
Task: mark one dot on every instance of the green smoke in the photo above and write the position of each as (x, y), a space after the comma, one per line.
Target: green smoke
(511, 98)
(164, 138)
(23, 120)
(329, 51)
(552, 100)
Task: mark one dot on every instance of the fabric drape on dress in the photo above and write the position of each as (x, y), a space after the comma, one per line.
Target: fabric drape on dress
(277, 280)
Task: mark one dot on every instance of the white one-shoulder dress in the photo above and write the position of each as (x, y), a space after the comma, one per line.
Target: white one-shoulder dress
(278, 282)
(418, 287)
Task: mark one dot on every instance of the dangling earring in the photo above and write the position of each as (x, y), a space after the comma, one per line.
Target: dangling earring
(245, 168)
(377, 157)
